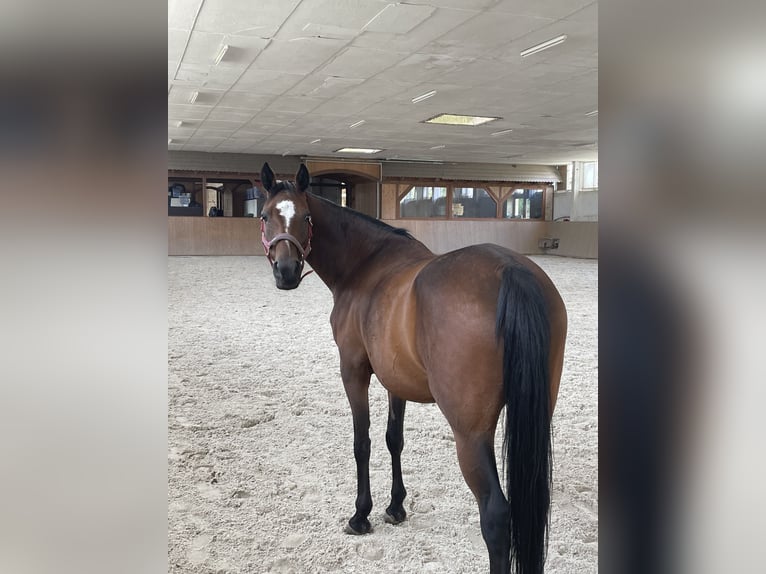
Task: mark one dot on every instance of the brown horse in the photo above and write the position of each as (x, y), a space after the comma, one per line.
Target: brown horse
(474, 330)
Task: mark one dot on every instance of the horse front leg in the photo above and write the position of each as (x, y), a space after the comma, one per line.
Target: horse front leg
(356, 381)
(395, 513)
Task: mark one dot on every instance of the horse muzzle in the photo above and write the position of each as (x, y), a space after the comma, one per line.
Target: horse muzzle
(287, 272)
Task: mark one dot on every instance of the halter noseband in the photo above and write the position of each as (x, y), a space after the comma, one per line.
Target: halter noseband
(303, 251)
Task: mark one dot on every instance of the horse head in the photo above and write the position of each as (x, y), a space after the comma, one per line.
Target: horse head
(286, 226)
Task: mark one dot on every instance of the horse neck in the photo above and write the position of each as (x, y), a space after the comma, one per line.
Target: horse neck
(342, 244)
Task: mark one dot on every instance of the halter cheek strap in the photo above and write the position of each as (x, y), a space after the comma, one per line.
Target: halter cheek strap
(304, 251)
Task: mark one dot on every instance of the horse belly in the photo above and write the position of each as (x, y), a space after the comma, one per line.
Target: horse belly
(390, 337)
(404, 378)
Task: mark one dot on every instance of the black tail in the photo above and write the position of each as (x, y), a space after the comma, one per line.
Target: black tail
(522, 323)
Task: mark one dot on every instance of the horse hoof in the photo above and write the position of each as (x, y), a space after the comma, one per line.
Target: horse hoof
(362, 528)
(396, 517)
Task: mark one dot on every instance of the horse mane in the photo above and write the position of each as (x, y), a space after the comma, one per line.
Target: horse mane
(377, 223)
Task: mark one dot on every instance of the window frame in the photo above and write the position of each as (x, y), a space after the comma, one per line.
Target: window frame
(450, 187)
(528, 186)
(447, 204)
(583, 187)
(208, 177)
(459, 185)
(198, 189)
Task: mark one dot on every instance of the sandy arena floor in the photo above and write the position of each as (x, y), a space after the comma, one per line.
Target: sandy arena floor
(261, 474)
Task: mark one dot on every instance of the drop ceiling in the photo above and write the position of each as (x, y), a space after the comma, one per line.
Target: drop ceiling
(298, 71)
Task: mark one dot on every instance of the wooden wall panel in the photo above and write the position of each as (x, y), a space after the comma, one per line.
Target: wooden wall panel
(242, 236)
(576, 238)
(214, 236)
(371, 170)
(388, 200)
(366, 198)
(441, 236)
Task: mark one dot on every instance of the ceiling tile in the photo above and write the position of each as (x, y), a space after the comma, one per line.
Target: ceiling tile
(361, 62)
(439, 23)
(230, 114)
(203, 48)
(463, 4)
(181, 13)
(399, 18)
(245, 100)
(241, 51)
(280, 119)
(227, 125)
(321, 85)
(422, 67)
(299, 56)
(177, 43)
(244, 17)
(331, 18)
(341, 106)
(490, 29)
(546, 8)
(267, 82)
(187, 111)
(297, 104)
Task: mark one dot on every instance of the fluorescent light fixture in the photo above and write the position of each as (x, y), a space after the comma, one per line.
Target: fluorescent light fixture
(544, 45)
(438, 147)
(170, 141)
(194, 97)
(316, 140)
(356, 124)
(458, 120)
(357, 150)
(593, 113)
(221, 54)
(501, 132)
(284, 154)
(422, 97)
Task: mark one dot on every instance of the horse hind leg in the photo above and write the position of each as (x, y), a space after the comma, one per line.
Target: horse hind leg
(477, 463)
(395, 512)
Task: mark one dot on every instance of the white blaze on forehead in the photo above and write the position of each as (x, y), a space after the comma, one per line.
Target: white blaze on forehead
(287, 210)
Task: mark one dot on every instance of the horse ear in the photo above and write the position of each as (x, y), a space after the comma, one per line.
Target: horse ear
(267, 177)
(303, 179)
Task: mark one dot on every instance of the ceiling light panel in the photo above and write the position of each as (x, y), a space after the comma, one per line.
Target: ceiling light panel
(363, 150)
(544, 45)
(422, 97)
(221, 54)
(460, 120)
